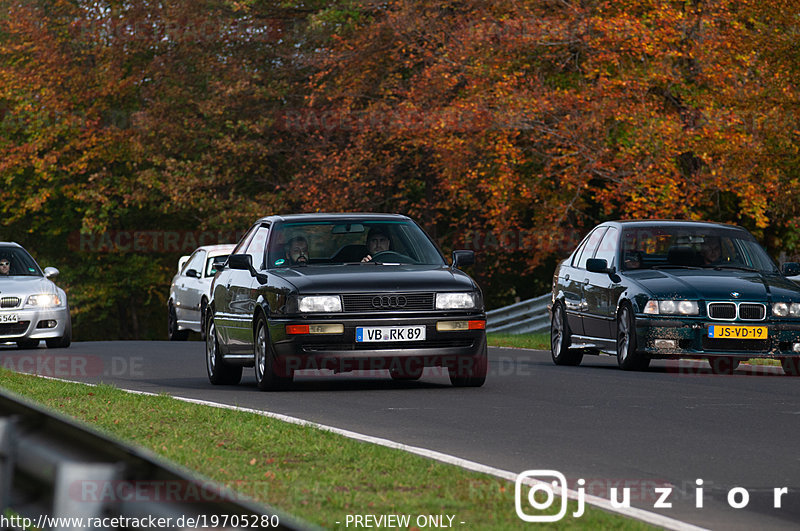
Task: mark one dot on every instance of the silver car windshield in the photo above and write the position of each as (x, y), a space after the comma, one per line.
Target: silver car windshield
(20, 263)
(326, 243)
(683, 246)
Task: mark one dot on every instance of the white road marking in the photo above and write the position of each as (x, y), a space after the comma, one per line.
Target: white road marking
(602, 503)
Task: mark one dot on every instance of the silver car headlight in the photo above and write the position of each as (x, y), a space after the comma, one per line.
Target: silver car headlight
(44, 300)
(671, 307)
(783, 309)
(455, 301)
(319, 303)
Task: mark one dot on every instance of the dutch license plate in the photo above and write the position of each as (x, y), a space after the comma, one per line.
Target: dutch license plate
(9, 318)
(389, 333)
(737, 332)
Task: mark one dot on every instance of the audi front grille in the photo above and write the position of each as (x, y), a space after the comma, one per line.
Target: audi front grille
(385, 302)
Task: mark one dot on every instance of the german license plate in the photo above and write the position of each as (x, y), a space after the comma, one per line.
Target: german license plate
(737, 332)
(367, 334)
(9, 318)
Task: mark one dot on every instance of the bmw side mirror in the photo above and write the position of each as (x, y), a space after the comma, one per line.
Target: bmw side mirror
(242, 262)
(50, 272)
(193, 273)
(597, 265)
(791, 269)
(463, 258)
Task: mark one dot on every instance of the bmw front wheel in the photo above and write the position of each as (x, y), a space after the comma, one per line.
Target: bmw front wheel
(627, 356)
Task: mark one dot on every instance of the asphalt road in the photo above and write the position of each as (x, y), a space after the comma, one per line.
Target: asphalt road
(667, 427)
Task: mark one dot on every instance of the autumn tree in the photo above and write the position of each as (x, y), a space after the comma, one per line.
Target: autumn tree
(141, 116)
(540, 119)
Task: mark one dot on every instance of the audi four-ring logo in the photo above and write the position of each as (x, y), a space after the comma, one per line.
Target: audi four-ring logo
(389, 301)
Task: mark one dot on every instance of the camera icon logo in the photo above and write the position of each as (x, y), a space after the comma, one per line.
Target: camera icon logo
(545, 482)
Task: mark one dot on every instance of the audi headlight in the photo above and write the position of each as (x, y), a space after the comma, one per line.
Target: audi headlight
(670, 307)
(456, 301)
(319, 303)
(783, 309)
(45, 300)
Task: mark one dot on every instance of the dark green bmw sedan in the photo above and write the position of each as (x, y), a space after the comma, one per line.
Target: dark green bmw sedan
(645, 290)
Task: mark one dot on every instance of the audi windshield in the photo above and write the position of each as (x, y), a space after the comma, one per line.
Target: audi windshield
(356, 241)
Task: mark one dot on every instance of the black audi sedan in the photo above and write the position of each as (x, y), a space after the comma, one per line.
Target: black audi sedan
(343, 292)
(644, 290)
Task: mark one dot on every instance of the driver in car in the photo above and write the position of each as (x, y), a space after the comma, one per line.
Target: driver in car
(377, 242)
(711, 251)
(297, 250)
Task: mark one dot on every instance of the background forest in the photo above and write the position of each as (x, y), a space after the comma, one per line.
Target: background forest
(131, 131)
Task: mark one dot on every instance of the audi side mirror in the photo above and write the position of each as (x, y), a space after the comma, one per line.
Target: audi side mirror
(243, 262)
(597, 265)
(463, 258)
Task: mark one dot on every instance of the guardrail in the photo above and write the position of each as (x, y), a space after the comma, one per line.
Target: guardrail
(57, 474)
(525, 317)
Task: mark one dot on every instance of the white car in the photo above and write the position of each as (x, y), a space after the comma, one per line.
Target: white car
(32, 307)
(189, 292)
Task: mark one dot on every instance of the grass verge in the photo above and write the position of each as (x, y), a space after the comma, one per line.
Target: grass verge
(316, 475)
(532, 341)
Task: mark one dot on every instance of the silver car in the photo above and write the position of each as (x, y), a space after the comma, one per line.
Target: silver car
(189, 292)
(32, 307)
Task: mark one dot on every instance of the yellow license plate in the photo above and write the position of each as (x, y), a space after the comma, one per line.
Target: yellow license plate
(737, 332)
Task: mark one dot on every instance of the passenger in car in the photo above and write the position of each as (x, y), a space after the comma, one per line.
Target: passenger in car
(378, 240)
(5, 266)
(297, 250)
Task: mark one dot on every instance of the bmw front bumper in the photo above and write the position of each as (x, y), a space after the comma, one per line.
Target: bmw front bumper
(36, 323)
(683, 337)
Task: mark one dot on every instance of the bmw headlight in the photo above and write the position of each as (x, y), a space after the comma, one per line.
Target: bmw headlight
(783, 309)
(319, 303)
(671, 307)
(456, 301)
(45, 300)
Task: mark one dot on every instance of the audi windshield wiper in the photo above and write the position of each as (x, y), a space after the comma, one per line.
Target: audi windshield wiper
(673, 266)
(727, 266)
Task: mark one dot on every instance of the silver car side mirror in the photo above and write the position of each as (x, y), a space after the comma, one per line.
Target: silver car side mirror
(50, 272)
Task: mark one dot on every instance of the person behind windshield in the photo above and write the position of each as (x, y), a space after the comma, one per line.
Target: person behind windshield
(377, 242)
(297, 250)
(633, 260)
(711, 251)
(5, 266)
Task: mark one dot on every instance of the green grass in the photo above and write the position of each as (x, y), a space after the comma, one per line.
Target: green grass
(532, 341)
(763, 361)
(316, 475)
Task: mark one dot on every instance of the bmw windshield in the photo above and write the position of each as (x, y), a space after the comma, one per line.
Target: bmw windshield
(15, 262)
(692, 246)
(356, 241)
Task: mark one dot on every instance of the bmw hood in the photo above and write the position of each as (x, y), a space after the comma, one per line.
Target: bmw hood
(710, 284)
(18, 286)
(356, 278)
